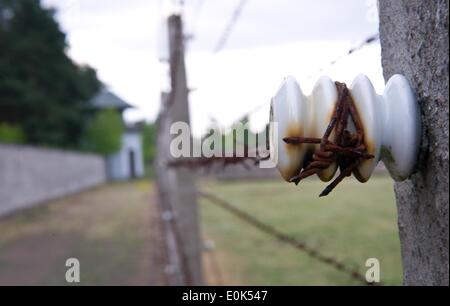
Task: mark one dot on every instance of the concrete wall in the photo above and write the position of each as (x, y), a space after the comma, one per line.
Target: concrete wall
(29, 175)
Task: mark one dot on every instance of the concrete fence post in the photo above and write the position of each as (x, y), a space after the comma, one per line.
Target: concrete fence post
(414, 42)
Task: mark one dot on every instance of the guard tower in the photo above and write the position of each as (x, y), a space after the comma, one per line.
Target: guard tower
(127, 163)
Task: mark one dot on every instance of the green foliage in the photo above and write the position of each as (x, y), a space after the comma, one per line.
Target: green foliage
(104, 133)
(10, 133)
(41, 90)
(149, 142)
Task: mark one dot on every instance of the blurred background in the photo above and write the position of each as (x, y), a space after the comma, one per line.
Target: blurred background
(80, 92)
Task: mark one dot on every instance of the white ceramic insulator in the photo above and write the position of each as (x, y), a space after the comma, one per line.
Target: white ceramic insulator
(391, 124)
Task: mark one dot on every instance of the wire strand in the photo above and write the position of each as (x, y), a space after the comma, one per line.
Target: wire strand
(367, 41)
(229, 27)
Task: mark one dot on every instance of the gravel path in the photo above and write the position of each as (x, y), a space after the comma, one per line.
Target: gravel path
(112, 230)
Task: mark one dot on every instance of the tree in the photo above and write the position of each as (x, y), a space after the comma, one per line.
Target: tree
(11, 134)
(41, 90)
(104, 133)
(149, 142)
(414, 42)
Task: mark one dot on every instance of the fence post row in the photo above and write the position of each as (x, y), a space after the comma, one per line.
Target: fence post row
(176, 185)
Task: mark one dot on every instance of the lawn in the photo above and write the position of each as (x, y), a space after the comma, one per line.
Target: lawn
(354, 223)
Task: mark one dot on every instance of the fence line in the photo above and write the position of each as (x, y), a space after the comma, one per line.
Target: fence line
(180, 272)
(176, 228)
(176, 186)
(176, 249)
(272, 231)
(167, 252)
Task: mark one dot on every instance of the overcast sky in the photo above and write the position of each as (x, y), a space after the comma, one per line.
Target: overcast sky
(271, 39)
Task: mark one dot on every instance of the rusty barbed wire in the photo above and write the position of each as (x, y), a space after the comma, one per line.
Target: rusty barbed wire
(347, 149)
(208, 162)
(274, 232)
(252, 156)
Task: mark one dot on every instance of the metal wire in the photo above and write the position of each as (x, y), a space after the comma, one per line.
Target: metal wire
(272, 231)
(367, 41)
(229, 28)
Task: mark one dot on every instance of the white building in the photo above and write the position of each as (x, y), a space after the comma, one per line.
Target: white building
(128, 162)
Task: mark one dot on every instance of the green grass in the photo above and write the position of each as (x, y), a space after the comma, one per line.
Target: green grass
(354, 223)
